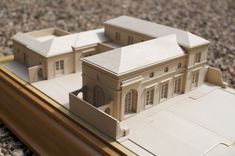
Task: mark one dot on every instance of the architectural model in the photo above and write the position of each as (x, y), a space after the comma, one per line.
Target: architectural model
(129, 67)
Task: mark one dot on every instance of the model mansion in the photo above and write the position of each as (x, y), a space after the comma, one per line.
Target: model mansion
(126, 67)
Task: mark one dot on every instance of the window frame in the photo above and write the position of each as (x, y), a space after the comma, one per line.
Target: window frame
(130, 40)
(197, 58)
(195, 78)
(149, 96)
(177, 85)
(151, 74)
(99, 96)
(59, 65)
(166, 69)
(129, 102)
(164, 91)
(179, 65)
(117, 36)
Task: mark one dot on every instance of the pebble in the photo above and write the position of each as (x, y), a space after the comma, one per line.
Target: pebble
(17, 153)
(4, 151)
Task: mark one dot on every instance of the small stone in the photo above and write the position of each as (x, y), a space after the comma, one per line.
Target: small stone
(232, 71)
(17, 153)
(4, 145)
(4, 151)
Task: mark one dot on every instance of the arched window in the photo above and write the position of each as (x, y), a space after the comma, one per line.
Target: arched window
(98, 96)
(130, 101)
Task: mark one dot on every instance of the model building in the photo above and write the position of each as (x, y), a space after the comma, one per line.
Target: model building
(124, 69)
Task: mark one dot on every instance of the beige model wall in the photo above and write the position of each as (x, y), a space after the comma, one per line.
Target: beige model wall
(155, 82)
(97, 118)
(34, 58)
(69, 64)
(102, 48)
(48, 64)
(116, 88)
(111, 30)
(192, 52)
(192, 66)
(95, 77)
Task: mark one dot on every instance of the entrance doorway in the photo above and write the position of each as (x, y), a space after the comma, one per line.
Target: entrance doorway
(195, 79)
(59, 67)
(26, 59)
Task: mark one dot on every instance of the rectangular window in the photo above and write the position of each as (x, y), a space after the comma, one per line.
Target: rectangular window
(177, 85)
(26, 58)
(197, 58)
(117, 36)
(59, 65)
(149, 97)
(195, 79)
(129, 102)
(130, 40)
(164, 91)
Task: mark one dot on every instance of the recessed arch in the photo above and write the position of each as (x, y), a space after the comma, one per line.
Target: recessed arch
(107, 110)
(99, 96)
(130, 101)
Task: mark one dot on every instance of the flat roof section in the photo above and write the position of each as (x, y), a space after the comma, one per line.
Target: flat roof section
(196, 123)
(133, 57)
(184, 38)
(47, 32)
(60, 87)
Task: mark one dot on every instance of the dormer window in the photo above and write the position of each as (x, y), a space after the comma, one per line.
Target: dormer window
(166, 69)
(197, 58)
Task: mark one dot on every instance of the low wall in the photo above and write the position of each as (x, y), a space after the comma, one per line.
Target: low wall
(106, 107)
(97, 118)
(214, 76)
(33, 73)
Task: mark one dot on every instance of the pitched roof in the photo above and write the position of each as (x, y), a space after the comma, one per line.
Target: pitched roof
(133, 57)
(184, 38)
(60, 44)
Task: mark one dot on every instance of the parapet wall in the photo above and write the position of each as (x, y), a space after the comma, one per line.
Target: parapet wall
(214, 76)
(95, 117)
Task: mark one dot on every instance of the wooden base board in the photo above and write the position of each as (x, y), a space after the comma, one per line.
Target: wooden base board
(45, 127)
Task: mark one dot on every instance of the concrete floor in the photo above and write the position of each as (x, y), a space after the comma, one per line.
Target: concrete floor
(200, 122)
(59, 88)
(197, 123)
(18, 69)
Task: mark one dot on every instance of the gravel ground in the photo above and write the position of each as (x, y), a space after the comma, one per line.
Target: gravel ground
(211, 19)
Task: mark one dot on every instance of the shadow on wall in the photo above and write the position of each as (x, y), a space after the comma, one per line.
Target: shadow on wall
(99, 119)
